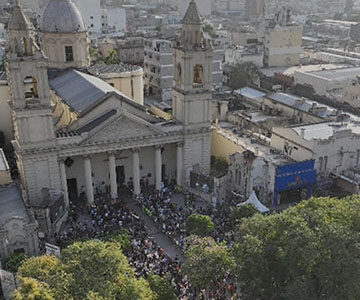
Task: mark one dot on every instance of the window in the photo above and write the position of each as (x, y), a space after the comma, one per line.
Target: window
(198, 74)
(69, 55)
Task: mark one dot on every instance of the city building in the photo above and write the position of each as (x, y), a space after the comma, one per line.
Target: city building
(238, 54)
(283, 41)
(333, 145)
(158, 68)
(329, 83)
(283, 45)
(131, 50)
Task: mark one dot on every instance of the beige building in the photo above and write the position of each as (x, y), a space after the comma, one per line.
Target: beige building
(283, 45)
(85, 133)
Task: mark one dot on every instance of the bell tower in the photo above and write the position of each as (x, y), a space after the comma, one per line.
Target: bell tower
(192, 94)
(30, 103)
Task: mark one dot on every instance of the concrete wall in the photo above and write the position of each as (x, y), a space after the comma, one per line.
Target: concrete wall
(223, 147)
(302, 149)
(283, 46)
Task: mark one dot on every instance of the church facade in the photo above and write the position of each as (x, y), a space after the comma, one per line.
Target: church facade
(104, 137)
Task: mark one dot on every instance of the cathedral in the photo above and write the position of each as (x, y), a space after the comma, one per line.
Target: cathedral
(73, 132)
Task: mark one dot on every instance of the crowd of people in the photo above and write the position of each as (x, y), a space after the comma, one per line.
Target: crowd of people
(104, 218)
(145, 256)
(170, 217)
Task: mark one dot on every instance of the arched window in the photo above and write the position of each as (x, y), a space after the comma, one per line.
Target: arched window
(198, 74)
(31, 88)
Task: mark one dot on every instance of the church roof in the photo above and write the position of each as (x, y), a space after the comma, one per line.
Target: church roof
(62, 16)
(192, 15)
(79, 90)
(18, 20)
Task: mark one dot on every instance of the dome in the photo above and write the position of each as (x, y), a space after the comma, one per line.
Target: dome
(62, 16)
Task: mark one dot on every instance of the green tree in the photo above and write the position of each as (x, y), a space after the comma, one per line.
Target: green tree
(310, 251)
(32, 289)
(219, 166)
(207, 263)
(199, 225)
(111, 58)
(162, 287)
(121, 237)
(14, 261)
(243, 212)
(92, 270)
(50, 270)
(242, 74)
(210, 30)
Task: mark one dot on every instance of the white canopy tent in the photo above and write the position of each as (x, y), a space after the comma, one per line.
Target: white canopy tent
(253, 199)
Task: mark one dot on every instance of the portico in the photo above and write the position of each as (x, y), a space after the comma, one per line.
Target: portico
(138, 167)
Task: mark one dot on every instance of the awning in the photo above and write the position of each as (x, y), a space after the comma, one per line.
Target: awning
(253, 199)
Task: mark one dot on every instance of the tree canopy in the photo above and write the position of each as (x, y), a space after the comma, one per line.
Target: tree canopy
(88, 270)
(199, 225)
(242, 74)
(242, 212)
(32, 289)
(162, 287)
(207, 262)
(310, 251)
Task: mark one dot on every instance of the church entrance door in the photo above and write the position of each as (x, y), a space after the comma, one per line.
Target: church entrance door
(120, 175)
(72, 188)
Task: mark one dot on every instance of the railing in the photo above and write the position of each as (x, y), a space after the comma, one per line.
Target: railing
(198, 85)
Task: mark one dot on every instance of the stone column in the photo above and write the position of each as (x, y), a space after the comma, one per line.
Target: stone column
(88, 180)
(113, 179)
(64, 182)
(158, 169)
(136, 171)
(179, 164)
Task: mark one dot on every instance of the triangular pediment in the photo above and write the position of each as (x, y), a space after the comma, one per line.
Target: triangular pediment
(123, 127)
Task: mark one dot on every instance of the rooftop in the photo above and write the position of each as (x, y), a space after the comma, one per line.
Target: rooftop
(79, 90)
(11, 204)
(102, 68)
(249, 143)
(337, 74)
(323, 131)
(250, 93)
(303, 104)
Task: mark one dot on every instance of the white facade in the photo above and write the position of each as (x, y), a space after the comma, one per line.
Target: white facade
(240, 55)
(93, 15)
(328, 82)
(116, 19)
